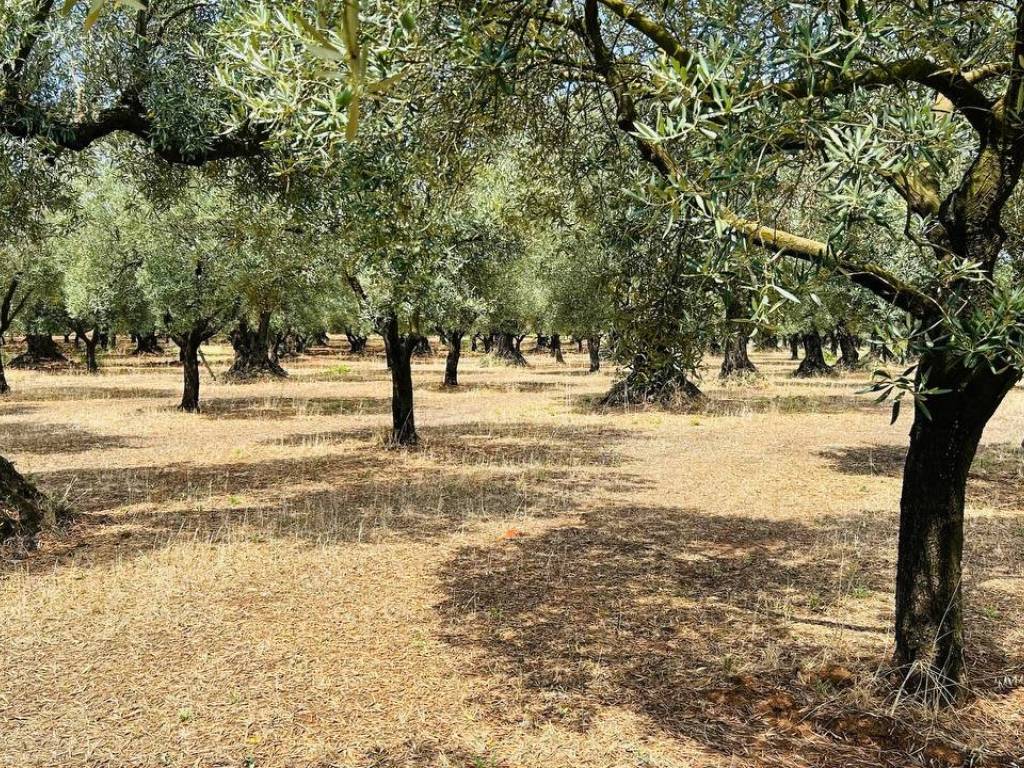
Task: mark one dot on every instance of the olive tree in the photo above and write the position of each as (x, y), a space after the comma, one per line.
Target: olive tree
(744, 110)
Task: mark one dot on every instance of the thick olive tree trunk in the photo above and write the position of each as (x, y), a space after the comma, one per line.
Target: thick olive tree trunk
(813, 363)
(253, 347)
(356, 342)
(401, 349)
(22, 506)
(41, 350)
(850, 357)
(422, 347)
(794, 347)
(451, 365)
(505, 348)
(556, 348)
(594, 347)
(736, 361)
(929, 599)
(146, 344)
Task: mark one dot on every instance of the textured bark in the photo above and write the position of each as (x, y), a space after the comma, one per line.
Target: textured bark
(451, 365)
(556, 348)
(929, 599)
(356, 342)
(421, 347)
(505, 349)
(794, 347)
(22, 507)
(42, 351)
(594, 347)
(146, 344)
(736, 361)
(253, 351)
(403, 421)
(4, 386)
(645, 385)
(813, 363)
(188, 344)
(850, 358)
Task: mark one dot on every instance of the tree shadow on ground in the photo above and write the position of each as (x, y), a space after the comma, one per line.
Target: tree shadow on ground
(363, 493)
(562, 445)
(271, 407)
(46, 439)
(721, 404)
(99, 392)
(716, 629)
(996, 478)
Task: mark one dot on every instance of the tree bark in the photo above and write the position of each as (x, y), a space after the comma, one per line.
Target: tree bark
(4, 386)
(556, 348)
(422, 348)
(665, 385)
(594, 347)
(90, 350)
(147, 344)
(794, 347)
(22, 507)
(506, 349)
(813, 363)
(451, 365)
(850, 358)
(252, 347)
(190, 365)
(356, 342)
(403, 422)
(42, 350)
(736, 361)
(929, 599)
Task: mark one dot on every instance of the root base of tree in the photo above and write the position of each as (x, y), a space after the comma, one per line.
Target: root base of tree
(255, 370)
(23, 508)
(632, 391)
(42, 352)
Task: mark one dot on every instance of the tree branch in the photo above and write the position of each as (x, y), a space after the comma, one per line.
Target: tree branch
(871, 277)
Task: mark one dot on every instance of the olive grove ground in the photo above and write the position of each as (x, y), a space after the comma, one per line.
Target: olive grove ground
(539, 584)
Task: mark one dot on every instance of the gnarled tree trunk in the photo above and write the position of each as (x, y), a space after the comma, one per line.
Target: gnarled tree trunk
(850, 358)
(505, 348)
(253, 346)
(556, 348)
(22, 506)
(813, 363)
(794, 347)
(356, 341)
(146, 344)
(929, 601)
(42, 350)
(189, 344)
(646, 383)
(736, 361)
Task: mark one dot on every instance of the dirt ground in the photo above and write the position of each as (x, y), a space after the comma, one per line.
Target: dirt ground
(539, 584)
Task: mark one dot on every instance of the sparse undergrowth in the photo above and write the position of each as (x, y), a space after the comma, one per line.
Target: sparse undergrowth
(539, 583)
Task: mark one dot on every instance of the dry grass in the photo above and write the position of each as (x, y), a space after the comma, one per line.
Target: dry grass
(540, 584)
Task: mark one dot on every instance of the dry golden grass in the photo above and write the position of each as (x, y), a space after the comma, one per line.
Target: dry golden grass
(539, 584)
